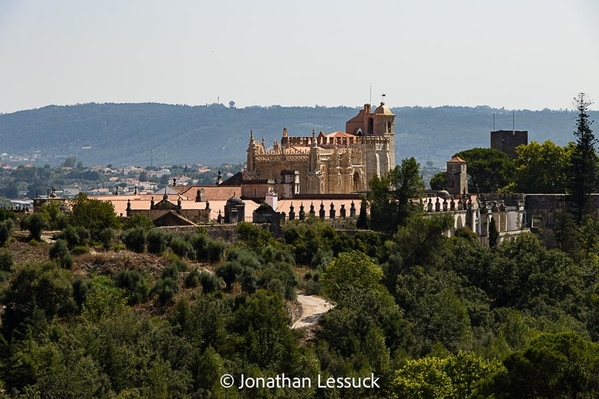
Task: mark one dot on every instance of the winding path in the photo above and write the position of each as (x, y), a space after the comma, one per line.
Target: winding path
(312, 308)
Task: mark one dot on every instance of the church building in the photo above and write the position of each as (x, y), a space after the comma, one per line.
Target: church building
(334, 163)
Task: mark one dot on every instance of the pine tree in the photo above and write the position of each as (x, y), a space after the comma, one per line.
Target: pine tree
(584, 172)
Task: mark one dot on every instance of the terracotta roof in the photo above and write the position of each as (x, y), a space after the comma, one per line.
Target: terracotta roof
(340, 134)
(456, 160)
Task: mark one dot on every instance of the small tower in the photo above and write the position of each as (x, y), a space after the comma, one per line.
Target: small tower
(457, 176)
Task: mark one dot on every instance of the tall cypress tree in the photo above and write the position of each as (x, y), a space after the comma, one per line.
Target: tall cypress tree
(584, 172)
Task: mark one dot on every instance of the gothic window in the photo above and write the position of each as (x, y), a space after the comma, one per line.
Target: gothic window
(388, 127)
(356, 181)
(370, 126)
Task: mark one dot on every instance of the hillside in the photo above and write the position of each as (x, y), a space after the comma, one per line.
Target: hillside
(122, 134)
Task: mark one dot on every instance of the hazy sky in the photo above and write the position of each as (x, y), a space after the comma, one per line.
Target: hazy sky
(517, 54)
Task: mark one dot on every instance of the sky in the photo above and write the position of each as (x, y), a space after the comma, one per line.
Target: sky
(515, 54)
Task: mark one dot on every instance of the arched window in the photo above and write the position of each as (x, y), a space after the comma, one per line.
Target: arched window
(356, 184)
(370, 126)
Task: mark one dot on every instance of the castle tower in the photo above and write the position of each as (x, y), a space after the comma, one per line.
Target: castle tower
(384, 126)
(457, 176)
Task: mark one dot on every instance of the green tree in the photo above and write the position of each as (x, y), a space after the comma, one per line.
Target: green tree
(489, 170)
(552, 366)
(351, 268)
(69, 162)
(135, 239)
(453, 377)
(493, 233)
(437, 182)
(391, 196)
(362, 222)
(36, 286)
(6, 227)
(584, 171)
(419, 243)
(138, 220)
(94, 215)
(35, 223)
(542, 168)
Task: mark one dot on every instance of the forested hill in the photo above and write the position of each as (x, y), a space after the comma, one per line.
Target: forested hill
(121, 134)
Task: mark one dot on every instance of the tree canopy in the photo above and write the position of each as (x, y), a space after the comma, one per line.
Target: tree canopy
(391, 200)
(489, 169)
(542, 168)
(92, 214)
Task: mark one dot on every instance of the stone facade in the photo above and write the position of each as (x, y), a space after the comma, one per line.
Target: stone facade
(335, 163)
(507, 140)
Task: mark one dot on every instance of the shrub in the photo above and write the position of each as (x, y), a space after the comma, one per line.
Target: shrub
(135, 239)
(228, 272)
(6, 214)
(135, 285)
(209, 282)
(80, 250)
(179, 265)
(166, 289)
(182, 248)
(6, 261)
(67, 261)
(199, 243)
(192, 279)
(35, 223)
(156, 240)
(6, 228)
(215, 251)
(59, 249)
(107, 237)
(138, 220)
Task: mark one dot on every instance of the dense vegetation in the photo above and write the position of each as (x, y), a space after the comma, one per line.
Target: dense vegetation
(429, 316)
(129, 310)
(133, 134)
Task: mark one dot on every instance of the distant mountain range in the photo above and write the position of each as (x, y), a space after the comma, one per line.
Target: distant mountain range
(140, 134)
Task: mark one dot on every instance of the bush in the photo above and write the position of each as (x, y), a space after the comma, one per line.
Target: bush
(166, 289)
(192, 279)
(209, 282)
(228, 272)
(284, 274)
(134, 239)
(35, 223)
(138, 220)
(179, 265)
(75, 236)
(157, 241)
(107, 237)
(199, 243)
(135, 285)
(6, 228)
(6, 261)
(6, 214)
(248, 280)
(215, 251)
(67, 261)
(182, 248)
(80, 250)
(59, 249)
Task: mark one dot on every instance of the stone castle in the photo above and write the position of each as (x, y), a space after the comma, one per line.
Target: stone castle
(334, 163)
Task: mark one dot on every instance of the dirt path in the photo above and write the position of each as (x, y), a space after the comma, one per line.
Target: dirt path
(312, 308)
